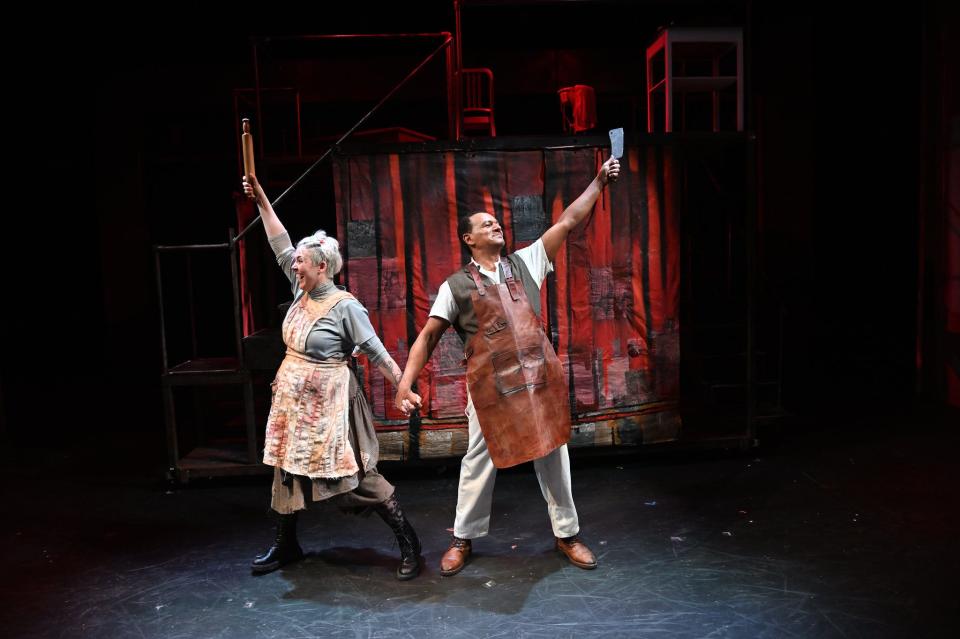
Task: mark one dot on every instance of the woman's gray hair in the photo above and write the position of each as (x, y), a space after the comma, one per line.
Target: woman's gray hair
(321, 248)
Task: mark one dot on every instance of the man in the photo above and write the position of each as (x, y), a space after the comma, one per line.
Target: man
(515, 387)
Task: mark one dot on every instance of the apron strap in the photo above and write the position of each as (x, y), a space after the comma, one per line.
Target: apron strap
(508, 279)
(511, 283)
(473, 272)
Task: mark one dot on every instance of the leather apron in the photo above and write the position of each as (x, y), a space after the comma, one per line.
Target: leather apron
(514, 376)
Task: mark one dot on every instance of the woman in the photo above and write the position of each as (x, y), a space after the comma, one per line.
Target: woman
(320, 438)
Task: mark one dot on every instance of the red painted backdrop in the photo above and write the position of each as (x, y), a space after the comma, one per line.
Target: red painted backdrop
(611, 306)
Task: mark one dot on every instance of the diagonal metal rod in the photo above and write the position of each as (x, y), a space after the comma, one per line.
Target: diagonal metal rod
(310, 169)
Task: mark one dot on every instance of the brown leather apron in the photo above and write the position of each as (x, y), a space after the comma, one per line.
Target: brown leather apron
(515, 379)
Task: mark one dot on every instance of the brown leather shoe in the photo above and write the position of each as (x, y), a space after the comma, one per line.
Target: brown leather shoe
(577, 552)
(455, 558)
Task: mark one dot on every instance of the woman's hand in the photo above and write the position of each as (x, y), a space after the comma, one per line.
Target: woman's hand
(406, 400)
(253, 190)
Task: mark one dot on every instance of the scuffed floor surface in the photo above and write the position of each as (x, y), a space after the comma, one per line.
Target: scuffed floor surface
(817, 536)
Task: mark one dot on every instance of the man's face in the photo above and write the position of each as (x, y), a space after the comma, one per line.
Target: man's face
(486, 232)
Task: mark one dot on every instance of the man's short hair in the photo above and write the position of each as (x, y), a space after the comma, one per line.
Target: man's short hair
(464, 226)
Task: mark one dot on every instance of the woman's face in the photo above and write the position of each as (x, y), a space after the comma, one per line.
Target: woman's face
(309, 275)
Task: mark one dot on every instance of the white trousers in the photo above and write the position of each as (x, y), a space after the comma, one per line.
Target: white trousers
(478, 474)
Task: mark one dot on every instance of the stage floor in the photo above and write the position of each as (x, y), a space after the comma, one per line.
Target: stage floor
(838, 530)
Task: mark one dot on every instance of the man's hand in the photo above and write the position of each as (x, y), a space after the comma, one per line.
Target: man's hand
(610, 171)
(406, 400)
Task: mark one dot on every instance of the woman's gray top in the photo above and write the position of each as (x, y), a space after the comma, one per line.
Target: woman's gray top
(345, 326)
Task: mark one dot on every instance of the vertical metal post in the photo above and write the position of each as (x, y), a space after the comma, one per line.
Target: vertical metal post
(458, 67)
(163, 323)
(190, 305)
(256, 91)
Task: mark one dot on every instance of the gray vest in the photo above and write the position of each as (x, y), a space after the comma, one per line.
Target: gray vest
(462, 285)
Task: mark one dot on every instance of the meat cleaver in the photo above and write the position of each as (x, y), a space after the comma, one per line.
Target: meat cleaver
(616, 143)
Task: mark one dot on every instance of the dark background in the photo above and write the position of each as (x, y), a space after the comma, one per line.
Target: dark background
(124, 137)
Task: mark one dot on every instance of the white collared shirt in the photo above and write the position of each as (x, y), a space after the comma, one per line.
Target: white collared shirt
(534, 257)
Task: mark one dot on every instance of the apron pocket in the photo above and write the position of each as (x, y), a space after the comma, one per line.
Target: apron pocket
(520, 369)
(496, 326)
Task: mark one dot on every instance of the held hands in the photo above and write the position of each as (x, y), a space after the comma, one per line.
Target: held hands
(406, 400)
(609, 172)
